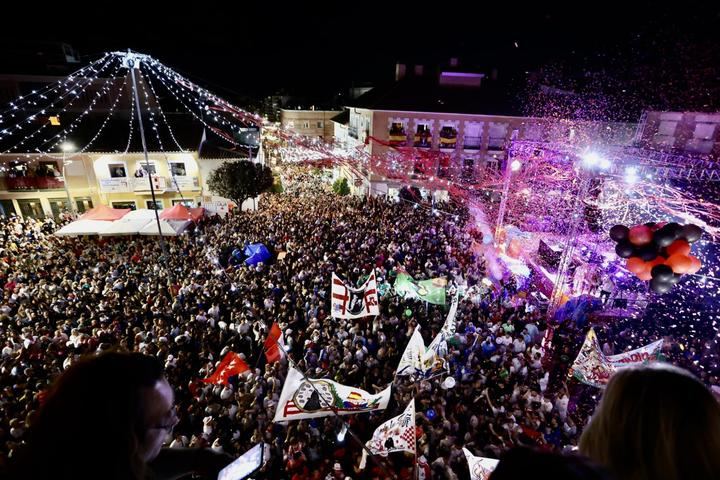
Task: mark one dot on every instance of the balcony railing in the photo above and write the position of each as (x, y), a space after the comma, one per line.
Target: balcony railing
(472, 143)
(19, 184)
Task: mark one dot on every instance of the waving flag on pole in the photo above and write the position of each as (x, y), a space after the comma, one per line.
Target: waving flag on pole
(480, 467)
(411, 362)
(439, 343)
(395, 435)
(348, 302)
(303, 398)
(431, 291)
(273, 352)
(231, 365)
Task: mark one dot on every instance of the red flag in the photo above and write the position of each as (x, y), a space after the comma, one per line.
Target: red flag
(231, 365)
(272, 349)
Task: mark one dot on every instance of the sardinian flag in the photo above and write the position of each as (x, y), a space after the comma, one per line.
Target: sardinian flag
(348, 302)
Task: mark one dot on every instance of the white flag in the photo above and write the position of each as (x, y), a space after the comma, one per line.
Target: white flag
(439, 343)
(311, 398)
(648, 353)
(348, 302)
(411, 362)
(395, 435)
(480, 467)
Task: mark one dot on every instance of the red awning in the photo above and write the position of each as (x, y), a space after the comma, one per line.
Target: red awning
(103, 212)
(181, 212)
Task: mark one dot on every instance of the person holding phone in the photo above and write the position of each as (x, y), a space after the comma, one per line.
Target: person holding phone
(108, 416)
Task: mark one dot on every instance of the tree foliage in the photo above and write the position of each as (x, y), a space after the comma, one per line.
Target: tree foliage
(240, 180)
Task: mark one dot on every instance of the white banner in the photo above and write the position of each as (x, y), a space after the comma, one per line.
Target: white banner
(480, 467)
(348, 302)
(312, 398)
(395, 435)
(648, 353)
(184, 183)
(114, 185)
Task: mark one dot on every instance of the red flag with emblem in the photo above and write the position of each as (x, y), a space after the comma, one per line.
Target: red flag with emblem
(231, 365)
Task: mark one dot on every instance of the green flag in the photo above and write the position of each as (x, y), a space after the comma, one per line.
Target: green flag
(431, 291)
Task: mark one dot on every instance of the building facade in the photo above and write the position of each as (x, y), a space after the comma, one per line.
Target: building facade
(312, 123)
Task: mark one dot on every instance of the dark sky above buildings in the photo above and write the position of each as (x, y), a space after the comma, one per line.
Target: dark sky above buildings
(254, 48)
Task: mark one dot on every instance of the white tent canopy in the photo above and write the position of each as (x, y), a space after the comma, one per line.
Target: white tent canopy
(127, 227)
(168, 227)
(141, 214)
(84, 227)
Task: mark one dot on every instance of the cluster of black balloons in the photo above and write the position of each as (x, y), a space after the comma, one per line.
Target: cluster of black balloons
(658, 252)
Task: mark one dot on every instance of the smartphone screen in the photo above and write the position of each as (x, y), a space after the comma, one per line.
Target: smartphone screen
(247, 463)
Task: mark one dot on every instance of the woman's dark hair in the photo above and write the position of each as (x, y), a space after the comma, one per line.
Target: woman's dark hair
(527, 463)
(92, 421)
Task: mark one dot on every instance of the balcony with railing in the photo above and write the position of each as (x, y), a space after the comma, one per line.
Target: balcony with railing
(31, 183)
(472, 143)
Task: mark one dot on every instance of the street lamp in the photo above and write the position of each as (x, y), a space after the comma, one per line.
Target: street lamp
(67, 147)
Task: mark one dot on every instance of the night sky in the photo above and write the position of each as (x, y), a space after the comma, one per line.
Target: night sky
(256, 48)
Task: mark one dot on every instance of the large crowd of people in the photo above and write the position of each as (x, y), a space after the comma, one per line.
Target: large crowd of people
(64, 298)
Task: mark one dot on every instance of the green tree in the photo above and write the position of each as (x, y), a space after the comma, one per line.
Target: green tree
(341, 186)
(240, 180)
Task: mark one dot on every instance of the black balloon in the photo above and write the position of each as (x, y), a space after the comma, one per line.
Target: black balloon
(647, 252)
(624, 249)
(619, 233)
(662, 273)
(663, 237)
(674, 279)
(675, 229)
(691, 233)
(659, 287)
(650, 224)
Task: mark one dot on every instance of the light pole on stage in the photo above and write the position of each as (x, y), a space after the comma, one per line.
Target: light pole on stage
(587, 167)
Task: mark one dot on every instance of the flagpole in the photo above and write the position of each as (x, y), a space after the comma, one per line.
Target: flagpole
(332, 409)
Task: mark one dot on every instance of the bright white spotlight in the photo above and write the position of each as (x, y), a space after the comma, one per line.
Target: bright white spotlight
(67, 146)
(591, 159)
(604, 163)
(515, 165)
(631, 175)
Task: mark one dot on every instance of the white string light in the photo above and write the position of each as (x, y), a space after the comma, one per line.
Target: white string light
(102, 127)
(171, 90)
(162, 113)
(69, 129)
(42, 94)
(76, 94)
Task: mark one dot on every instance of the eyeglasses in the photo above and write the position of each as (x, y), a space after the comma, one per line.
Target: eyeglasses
(168, 426)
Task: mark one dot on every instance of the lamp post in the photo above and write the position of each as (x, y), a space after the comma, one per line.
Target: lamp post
(67, 147)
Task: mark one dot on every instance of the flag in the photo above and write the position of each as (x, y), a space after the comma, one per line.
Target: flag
(591, 366)
(411, 362)
(231, 365)
(418, 361)
(439, 343)
(348, 302)
(594, 368)
(648, 353)
(395, 435)
(480, 467)
(301, 398)
(273, 352)
(431, 291)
